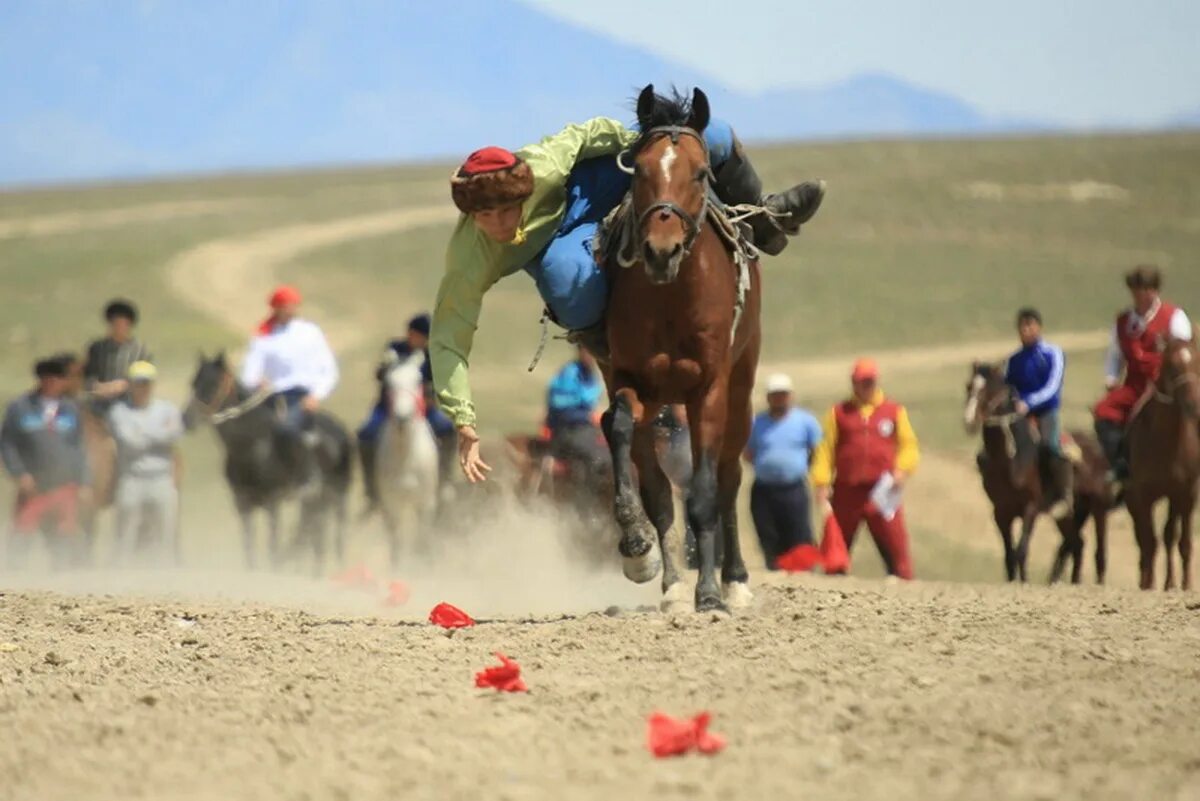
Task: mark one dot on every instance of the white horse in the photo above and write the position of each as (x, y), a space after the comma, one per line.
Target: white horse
(407, 461)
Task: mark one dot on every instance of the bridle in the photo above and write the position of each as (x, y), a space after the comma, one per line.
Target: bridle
(691, 223)
(215, 409)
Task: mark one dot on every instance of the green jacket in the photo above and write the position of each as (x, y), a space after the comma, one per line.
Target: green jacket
(474, 262)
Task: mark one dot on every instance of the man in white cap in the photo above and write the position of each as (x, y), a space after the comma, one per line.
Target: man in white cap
(146, 430)
(781, 442)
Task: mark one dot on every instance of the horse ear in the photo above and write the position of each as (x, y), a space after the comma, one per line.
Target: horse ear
(701, 114)
(220, 358)
(645, 107)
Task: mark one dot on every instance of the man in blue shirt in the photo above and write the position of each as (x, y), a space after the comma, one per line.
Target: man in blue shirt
(1035, 373)
(571, 401)
(781, 441)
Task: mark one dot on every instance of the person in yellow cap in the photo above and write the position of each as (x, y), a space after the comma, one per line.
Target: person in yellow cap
(867, 455)
(146, 430)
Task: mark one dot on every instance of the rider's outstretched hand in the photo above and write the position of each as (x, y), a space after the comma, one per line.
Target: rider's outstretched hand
(473, 466)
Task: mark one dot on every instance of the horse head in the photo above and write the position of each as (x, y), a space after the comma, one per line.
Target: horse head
(987, 395)
(670, 179)
(1179, 378)
(212, 385)
(405, 388)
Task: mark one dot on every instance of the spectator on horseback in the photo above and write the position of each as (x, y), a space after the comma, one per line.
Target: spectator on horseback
(41, 444)
(107, 363)
(1035, 373)
(415, 339)
(1136, 351)
(147, 430)
(571, 400)
(782, 440)
(538, 211)
(291, 359)
(868, 452)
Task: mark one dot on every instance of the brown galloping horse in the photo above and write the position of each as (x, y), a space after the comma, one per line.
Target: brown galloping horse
(1164, 462)
(1012, 480)
(683, 327)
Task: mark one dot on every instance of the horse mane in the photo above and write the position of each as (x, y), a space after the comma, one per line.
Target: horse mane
(667, 110)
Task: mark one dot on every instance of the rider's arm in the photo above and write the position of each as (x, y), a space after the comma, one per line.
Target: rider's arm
(1113, 360)
(325, 369)
(455, 318)
(821, 473)
(908, 453)
(1181, 326)
(597, 137)
(254, 365)
(1054, 381)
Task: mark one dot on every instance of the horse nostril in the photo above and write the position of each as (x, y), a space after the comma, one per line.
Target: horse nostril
(664, 215)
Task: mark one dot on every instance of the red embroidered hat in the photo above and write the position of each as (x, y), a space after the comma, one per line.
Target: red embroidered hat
(490, 178)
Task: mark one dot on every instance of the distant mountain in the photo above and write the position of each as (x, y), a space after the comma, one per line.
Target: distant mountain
(136, 87)
(1187, 120)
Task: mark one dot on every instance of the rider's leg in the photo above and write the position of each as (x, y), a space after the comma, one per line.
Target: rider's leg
(368, 446)
(299, 435)
(737, 182)
(1063, 472)
(1112, 439)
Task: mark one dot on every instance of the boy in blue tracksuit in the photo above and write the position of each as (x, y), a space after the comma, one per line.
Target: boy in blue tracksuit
(1035, 372)
(571, 401)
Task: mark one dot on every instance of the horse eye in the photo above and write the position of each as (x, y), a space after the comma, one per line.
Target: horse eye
(702, 174)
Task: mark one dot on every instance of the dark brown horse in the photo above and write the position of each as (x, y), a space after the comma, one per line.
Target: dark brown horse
(1164, 462)
(683, 326)
(1009, 466)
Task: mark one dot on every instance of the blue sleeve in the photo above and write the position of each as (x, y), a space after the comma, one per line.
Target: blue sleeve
(1054, 380)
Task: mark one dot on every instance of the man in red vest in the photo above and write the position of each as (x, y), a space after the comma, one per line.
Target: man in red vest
(869, 443)
(1137, 341)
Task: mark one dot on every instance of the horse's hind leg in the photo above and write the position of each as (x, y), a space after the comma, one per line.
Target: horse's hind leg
(1100, 519)
(1185, 542)
(658, 499)
(1170, 535)
(1028, 520)
(640, 552)
(1004, 524)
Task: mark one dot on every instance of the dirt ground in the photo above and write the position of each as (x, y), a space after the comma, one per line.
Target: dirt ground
(828, 688)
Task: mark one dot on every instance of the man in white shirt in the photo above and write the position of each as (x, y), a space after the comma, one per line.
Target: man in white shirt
(291, 358)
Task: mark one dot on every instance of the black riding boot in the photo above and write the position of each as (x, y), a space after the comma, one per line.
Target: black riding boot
(1112, 440)
(737, 182)
(1062, 500)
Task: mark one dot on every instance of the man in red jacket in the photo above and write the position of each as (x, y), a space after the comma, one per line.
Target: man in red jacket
(1137, 341)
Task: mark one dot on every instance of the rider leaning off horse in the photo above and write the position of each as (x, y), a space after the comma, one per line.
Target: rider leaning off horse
(1035, 373)
(538, 210)
(416, 338)
(1138, 337)
(291, 359)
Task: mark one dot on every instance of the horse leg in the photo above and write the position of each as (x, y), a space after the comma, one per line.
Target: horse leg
(1142, 511)
(273, 552)
(1170, 535)
(658, 499)
(1100, 518)
(391, 529)
(1004, 523)
(735, 579)
(1185, 542)
(246, 515)
(639, 549)
(1028, 519)
(318, 514)
(706, 417)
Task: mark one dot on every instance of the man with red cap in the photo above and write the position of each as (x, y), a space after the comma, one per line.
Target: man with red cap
(869, 445)
(291, 358)
(538, 210)
(1136, 349)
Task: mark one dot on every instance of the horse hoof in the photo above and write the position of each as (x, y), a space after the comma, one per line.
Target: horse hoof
(737, 594)
(640, 569)
(674, 598)
(711, 603)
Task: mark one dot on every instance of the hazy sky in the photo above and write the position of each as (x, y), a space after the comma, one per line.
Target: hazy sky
(1081, 63)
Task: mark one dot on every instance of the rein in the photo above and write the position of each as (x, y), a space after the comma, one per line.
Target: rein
(214, 409)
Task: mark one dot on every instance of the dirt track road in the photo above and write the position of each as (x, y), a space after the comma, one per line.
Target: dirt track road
(830, 689)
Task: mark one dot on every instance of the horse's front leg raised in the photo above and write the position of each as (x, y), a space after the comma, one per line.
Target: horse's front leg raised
(706, 418)
(639, 548)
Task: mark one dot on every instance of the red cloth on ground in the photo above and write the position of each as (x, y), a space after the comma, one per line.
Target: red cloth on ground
(505, 678)
(851, 507)
(800, 559)
(668, 736)
(450, 617)
(834, 553)
(63, 503)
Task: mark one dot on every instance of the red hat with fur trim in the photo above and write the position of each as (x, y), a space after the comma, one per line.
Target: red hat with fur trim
(490, 178)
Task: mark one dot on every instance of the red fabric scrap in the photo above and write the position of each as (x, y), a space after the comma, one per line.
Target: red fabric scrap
(398, 594)
(833, 547)
(505, 678)
(450, 617)
(667, 736)
(358, 577)
(800, 559)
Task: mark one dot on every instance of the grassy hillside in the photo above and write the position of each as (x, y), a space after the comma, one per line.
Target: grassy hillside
(920, 245)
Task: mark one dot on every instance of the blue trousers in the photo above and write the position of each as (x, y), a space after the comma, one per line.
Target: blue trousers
(1051, 429)
(781, 517)
(566, 273)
